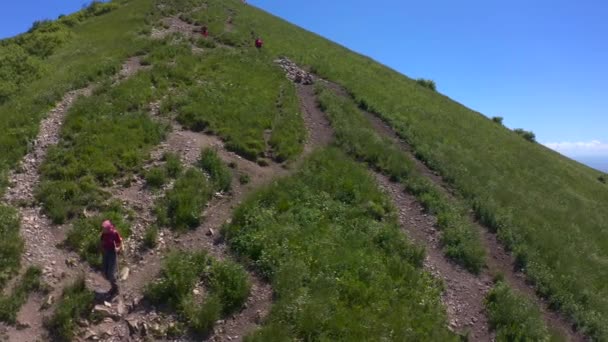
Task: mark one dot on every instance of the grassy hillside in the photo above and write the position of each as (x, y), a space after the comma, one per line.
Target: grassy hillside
(550, 211)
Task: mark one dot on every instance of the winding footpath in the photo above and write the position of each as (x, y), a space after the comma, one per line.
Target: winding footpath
(40, 235)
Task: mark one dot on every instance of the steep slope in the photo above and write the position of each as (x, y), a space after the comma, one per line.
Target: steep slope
(550, 212)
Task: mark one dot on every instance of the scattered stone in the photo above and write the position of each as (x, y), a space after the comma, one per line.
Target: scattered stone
(196, 292)
(210, 232)
(83, 323)
(124, 274)
(105, 312)
(22, 326)
(50, 300)
(133, 325)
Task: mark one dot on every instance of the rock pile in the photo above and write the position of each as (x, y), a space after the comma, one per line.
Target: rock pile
(294, 72)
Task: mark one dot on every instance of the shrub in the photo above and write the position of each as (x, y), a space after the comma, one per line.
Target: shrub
(156, 177)
(202, 318)
(11, 244)
(513, 317)
(180, 273)
(602, 178)
(226, 282)
(218, 172)
(528, 135)
(173, 164)
(430, 84)
(229, 282)
(497, 119)
(151, 237)
(182, 206)
(244, 178)
(10, 305)
(76, 303)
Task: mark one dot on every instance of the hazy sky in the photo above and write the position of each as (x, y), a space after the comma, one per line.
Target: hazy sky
(542, 64)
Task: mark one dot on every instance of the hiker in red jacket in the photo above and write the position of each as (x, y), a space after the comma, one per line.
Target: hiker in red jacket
(205, 31)
(110, 246)
(259, 43)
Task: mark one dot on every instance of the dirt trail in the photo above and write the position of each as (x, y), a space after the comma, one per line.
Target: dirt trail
(499, 260)
(464, 292)
(40, 235)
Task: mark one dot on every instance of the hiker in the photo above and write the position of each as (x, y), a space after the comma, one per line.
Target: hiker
(259, 43)
(205, 32)
(110, 244)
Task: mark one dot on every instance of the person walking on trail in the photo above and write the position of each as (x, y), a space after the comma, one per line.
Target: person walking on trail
(111, 244)
(205, 31)
(259, 43)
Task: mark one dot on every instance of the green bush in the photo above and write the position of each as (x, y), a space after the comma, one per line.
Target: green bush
(226, 282)
(11, 304)
(156, 177)
(11, 244)
(151, 237)
(602, 178)
(179, 275)
(182, 206)
(330, 259)
(244, 178)
(497, 119)
(513, 317)
(201, 319)
(229, 282)
(430, 84)
(173, 164)
(75, 303)
(528, 135)
(218, 172)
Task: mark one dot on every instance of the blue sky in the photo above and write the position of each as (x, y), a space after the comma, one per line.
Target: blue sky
(541, 64)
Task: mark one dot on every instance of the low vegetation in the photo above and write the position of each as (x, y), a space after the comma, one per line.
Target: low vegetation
(156, 177)
(430, 84)
(528, 135)
(182, 206)
(354, 134)
(225, 284)
(498, 119)
(513, 317)
(11, 303)
(151, 237)
(173, 164)
(75, 303)
(328, 241)
(219, 173)
(238, 101)
(11, 244)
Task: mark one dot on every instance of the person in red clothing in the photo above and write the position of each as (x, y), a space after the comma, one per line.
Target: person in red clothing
(205, 31)
(110, 246)
(259, 43)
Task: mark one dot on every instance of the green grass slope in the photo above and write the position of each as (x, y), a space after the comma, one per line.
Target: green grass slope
(549, 210)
